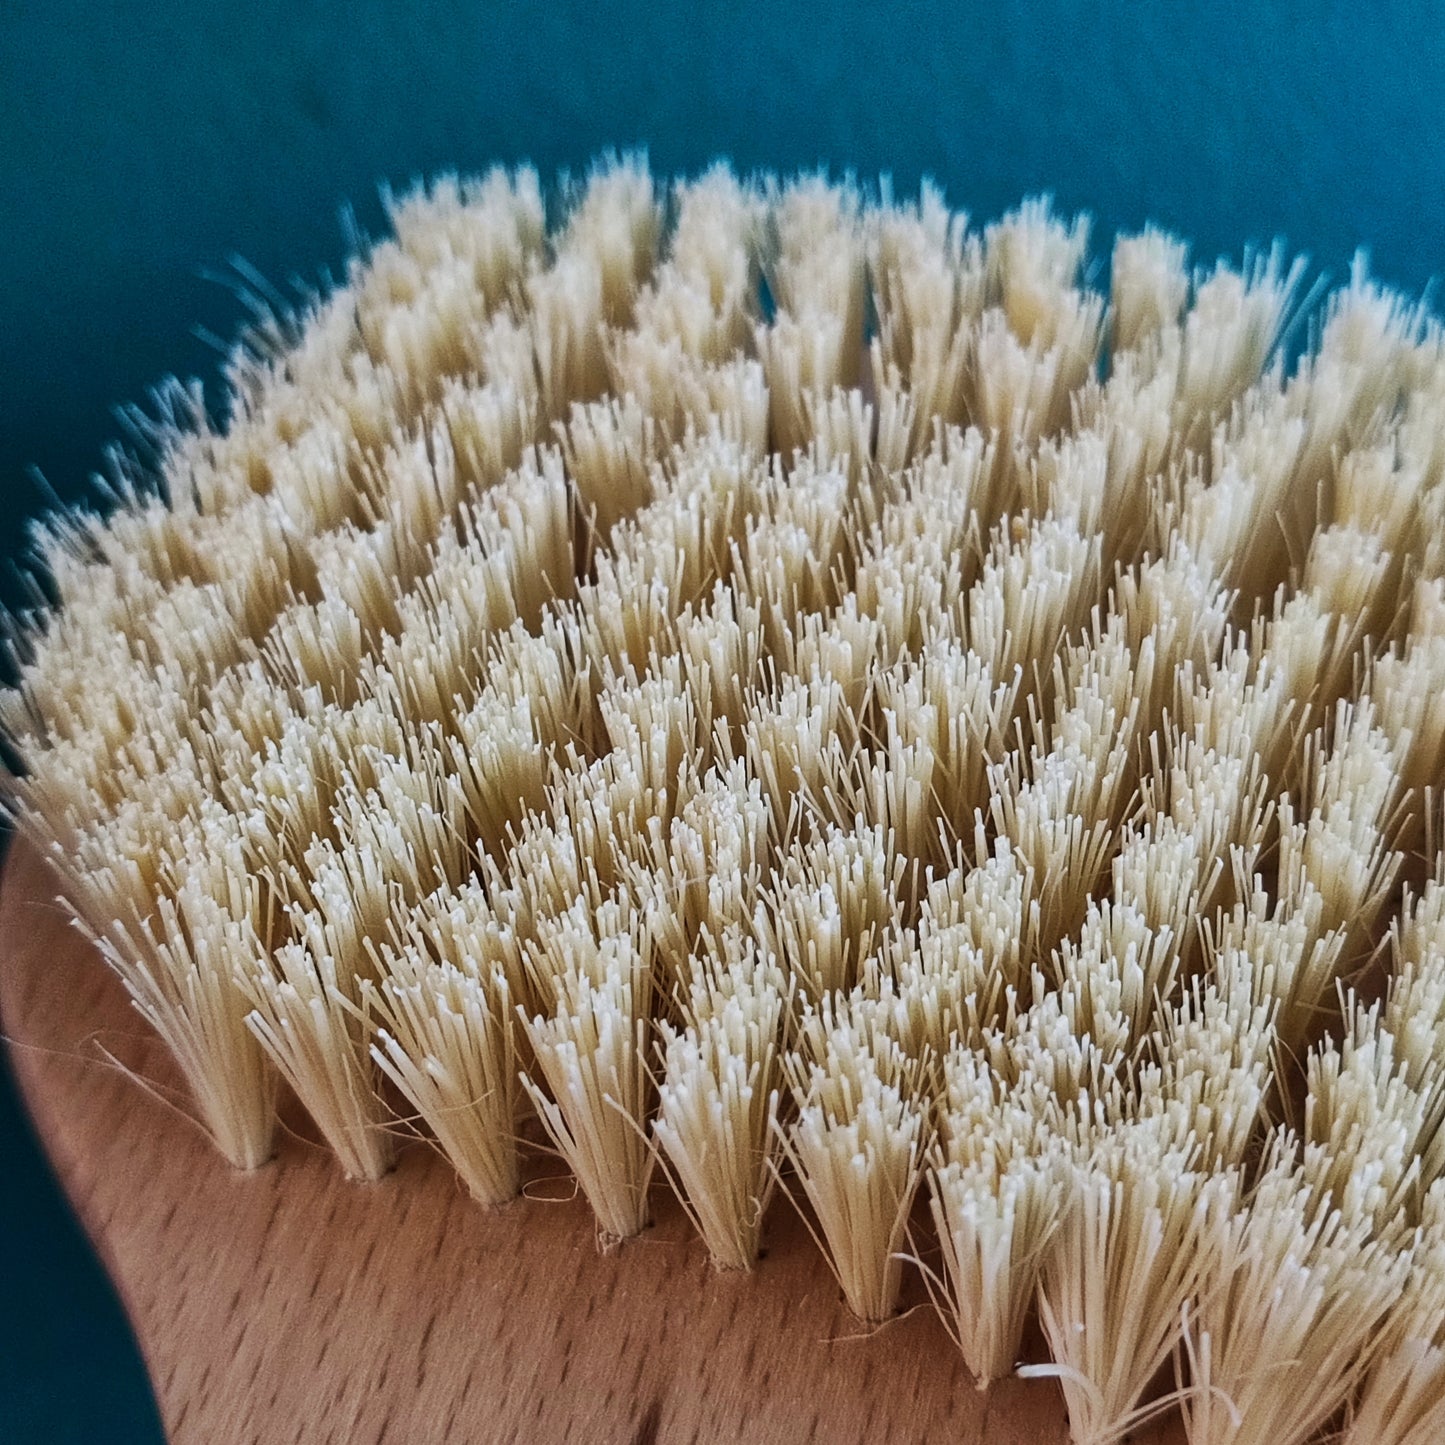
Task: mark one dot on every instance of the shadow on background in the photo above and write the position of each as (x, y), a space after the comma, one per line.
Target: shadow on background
(142, 145)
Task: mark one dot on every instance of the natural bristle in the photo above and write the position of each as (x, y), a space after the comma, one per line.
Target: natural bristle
(776, 693)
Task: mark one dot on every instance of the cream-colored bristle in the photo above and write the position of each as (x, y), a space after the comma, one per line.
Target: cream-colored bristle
(1149, 287)
(1402, 1399)
(857, 1145)
(445, 1036)
(718, 1100)
(997, 1185)
(590, 1051)
(178, 968)
(1138, 1231)
(930, 289)
(1289, 1316)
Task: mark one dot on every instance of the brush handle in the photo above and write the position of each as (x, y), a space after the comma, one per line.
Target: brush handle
(288, 1304)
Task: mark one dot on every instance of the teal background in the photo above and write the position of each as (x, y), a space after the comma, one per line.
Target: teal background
(141, 146)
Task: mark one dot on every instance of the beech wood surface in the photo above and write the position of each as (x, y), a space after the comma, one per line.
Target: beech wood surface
(291, 1305)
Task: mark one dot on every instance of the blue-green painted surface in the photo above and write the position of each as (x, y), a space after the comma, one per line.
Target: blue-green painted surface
(142, 144)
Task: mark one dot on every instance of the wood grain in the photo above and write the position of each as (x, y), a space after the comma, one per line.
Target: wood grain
(291, 1305)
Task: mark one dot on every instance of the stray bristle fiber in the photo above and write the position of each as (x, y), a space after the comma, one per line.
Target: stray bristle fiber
(790, 698)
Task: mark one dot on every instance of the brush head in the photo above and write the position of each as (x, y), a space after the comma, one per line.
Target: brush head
(775, 692)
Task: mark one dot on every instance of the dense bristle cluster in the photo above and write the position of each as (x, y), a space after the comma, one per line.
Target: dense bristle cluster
(817, 704)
